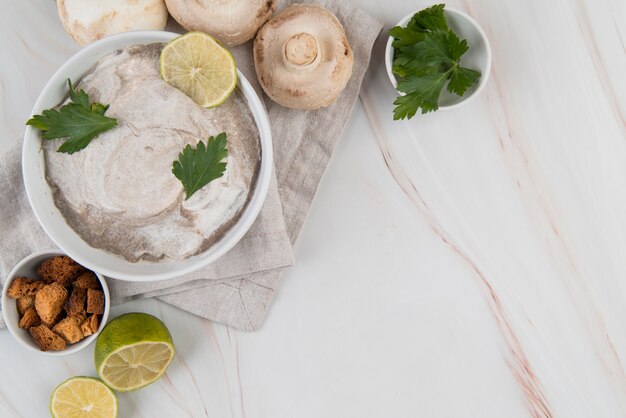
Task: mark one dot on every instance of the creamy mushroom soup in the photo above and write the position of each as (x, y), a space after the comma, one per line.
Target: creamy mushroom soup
(119, 193)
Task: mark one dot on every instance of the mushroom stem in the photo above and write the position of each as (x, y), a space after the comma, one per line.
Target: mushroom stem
(301, 52)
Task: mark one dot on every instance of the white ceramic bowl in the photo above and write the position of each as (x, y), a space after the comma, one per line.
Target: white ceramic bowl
(28, 268)
(51, 219)
(477, 57)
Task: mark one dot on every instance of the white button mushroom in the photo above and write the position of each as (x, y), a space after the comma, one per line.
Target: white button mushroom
(89, 20)
(302, 57)
(232, 22)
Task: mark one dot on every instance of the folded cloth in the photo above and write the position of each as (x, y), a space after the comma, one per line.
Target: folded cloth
(238, 288)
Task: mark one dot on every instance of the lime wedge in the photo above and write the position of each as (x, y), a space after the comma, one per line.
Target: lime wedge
(83, 397)
(132, 351)
(200, 67)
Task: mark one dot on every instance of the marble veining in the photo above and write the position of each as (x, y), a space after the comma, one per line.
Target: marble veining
(520, 366)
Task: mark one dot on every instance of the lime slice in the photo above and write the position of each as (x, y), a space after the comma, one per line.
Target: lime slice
(83, 397)
(132, 351)
(199, 66)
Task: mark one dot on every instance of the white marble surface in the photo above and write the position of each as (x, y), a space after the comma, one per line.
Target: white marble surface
(468, 263)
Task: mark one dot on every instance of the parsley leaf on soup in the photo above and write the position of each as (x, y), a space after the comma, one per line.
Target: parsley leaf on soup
(427, 56)
(196, 168)
(78, 121)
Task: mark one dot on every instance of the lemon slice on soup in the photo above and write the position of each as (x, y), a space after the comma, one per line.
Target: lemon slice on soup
(199, 66)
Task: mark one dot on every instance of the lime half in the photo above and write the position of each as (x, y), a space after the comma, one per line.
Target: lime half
(83, 397)
(132, 351)
(199, 66)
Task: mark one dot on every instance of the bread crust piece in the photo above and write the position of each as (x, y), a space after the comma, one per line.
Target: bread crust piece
(30, 319)
(49, 302)
(76, 304)
(22, 286)
(69, 329)
(24, 303)
(90, 325)
(87, 280)
(60, 269)
(95, 301)
(47, 340)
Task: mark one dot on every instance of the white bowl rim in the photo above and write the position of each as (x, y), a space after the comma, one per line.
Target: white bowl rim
(234, 234)
(484, 77)
(17, 332)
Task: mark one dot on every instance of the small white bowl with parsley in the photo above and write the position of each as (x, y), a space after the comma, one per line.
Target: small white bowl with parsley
(437, 58)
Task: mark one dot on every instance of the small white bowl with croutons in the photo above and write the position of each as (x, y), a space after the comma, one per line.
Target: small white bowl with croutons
(54, 306)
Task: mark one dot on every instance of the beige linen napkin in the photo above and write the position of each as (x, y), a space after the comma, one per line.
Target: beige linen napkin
(238, 288)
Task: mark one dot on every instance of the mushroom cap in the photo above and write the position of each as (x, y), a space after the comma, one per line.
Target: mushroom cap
(232, 22)
(302, 57)
(89, 20)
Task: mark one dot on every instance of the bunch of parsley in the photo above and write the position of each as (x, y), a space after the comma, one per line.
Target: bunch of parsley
(427, 55)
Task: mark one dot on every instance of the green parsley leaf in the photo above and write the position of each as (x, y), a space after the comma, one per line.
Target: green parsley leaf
(462, 78)
(195, 168)
(405, 36)
(424, 57)
(411, 62)
(80, 98)
(456, 47)
(422, 92)
(427, 55)
(436, 51)
(429, 19)
(78, 121)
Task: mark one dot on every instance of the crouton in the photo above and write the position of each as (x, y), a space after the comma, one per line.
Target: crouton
(60, 269)
(79, 317)
(49, 302)
(24, 303)
(46, 340)
(95, 301)
(56, 319)
(76, 304)
(87, 280)
(90, 325)
(30, 319)
(21, 286)
(69, 329)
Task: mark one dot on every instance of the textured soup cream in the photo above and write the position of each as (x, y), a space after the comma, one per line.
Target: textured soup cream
(119, 193)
